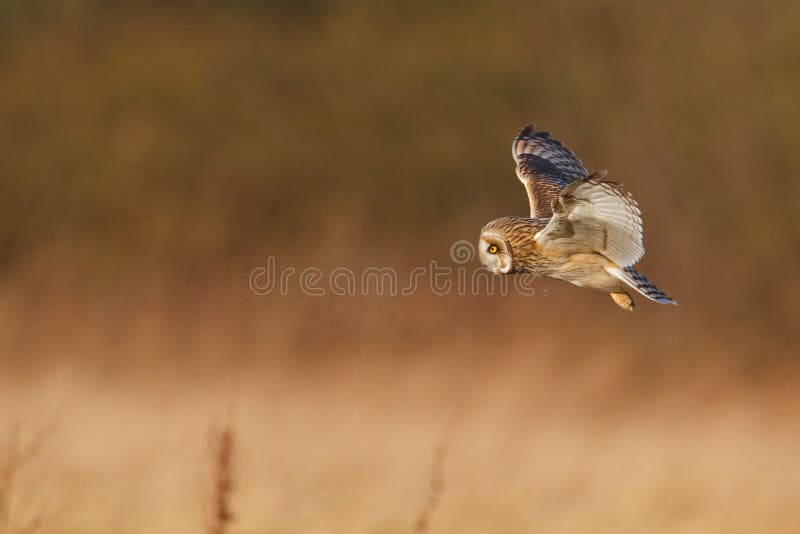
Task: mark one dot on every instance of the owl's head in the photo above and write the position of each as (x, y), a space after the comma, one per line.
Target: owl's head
(494, 251)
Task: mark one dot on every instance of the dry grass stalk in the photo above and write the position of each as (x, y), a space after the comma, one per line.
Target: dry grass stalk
(435, 490)
(222, 449)
(18, 455)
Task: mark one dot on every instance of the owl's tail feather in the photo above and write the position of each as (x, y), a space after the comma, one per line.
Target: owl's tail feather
(640, 283)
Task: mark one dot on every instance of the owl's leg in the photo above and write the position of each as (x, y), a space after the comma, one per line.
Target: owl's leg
(623, 300)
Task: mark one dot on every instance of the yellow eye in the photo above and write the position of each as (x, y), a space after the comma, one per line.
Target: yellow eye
(492, 249)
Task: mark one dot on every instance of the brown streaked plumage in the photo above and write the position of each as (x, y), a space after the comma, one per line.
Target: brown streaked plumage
(582, 229)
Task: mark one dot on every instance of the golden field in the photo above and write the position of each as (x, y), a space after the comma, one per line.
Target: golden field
(336, 422)
(152, 155)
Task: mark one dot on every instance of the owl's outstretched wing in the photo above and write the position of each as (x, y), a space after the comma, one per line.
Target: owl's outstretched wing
(593, 215)
(544, 166)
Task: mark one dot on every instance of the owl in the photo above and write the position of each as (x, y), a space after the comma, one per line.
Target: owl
(583, 229)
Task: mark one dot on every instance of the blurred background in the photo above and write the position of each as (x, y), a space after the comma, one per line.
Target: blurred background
(152, 154)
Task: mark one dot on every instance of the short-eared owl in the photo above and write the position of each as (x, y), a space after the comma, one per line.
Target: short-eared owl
(582, 229)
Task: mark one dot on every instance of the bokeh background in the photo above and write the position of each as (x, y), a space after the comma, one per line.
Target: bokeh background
(152, 154)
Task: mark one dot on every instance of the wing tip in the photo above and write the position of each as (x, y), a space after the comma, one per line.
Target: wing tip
(518, 147)
(530, 132)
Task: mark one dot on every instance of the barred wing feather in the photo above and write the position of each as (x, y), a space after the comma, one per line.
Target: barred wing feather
(544, 166)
